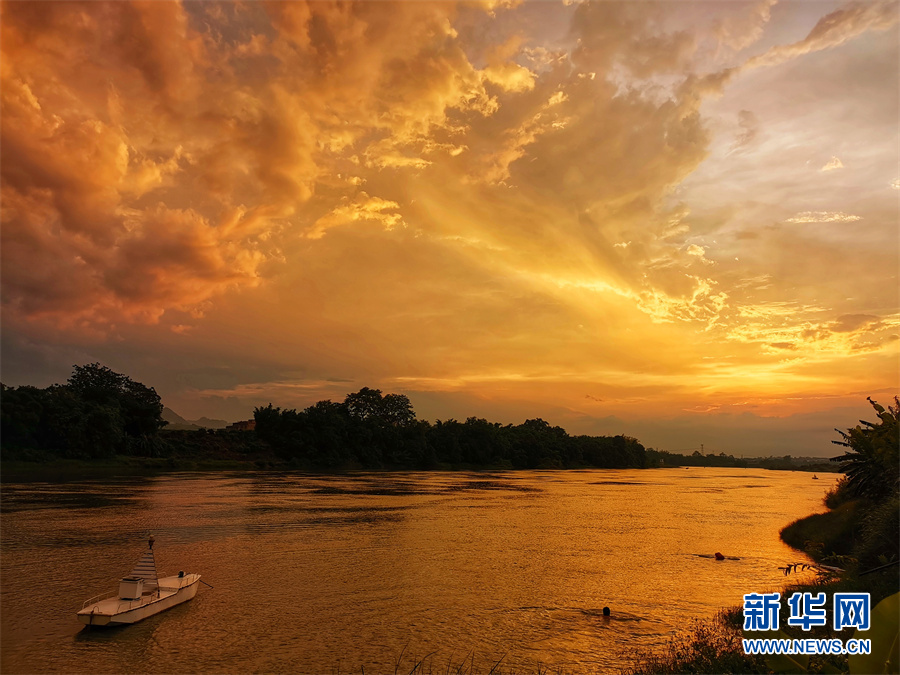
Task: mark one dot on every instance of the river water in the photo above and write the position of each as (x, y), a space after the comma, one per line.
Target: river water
(378, 571)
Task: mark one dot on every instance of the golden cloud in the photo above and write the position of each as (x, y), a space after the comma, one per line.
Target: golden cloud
(362, 208)
(832, 164)
(823, 217)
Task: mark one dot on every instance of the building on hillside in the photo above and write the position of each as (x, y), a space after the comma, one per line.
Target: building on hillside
(246, 425)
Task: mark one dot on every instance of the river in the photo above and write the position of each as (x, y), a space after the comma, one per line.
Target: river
(378, 571)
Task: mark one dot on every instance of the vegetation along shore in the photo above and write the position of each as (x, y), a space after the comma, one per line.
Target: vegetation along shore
(103, 422)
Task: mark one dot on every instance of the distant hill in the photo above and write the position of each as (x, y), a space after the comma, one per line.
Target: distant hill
(210, 423)
(177, 422)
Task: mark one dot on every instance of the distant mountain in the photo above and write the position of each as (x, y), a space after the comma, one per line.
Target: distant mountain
(177, 422)
(210, 423)
(173, 418)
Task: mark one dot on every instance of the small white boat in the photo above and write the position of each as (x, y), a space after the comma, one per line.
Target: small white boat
(141, 594)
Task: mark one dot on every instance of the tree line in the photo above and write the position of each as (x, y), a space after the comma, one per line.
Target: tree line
(372, 430)
(99, 413)
(663, 458)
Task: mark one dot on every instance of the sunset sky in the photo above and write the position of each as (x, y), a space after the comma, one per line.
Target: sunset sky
(673, 220)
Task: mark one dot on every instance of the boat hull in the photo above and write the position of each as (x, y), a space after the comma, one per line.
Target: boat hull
(118, 612)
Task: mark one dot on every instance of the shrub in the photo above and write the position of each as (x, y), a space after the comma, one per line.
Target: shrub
(712, 646)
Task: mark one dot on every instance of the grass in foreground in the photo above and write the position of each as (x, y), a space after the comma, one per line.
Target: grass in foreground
(714, 646)
(711, 646)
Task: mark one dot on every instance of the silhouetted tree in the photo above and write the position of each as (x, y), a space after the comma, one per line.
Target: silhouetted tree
(391, 410)
(97, 413)
(140, 406)
(872, 464)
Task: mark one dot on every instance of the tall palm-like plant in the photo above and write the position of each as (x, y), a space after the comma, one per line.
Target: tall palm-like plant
(872, 465)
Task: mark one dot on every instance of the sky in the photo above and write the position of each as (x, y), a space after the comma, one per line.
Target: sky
(673, 220)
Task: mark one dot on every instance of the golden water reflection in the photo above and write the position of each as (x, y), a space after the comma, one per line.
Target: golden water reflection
(335, 573)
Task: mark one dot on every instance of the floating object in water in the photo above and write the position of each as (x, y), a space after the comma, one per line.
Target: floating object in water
(719, 556)
(710, 556)
(815, 477)
(141, 594)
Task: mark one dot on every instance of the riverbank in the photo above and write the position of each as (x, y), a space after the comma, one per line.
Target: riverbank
(64, 470)
(249, 457)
